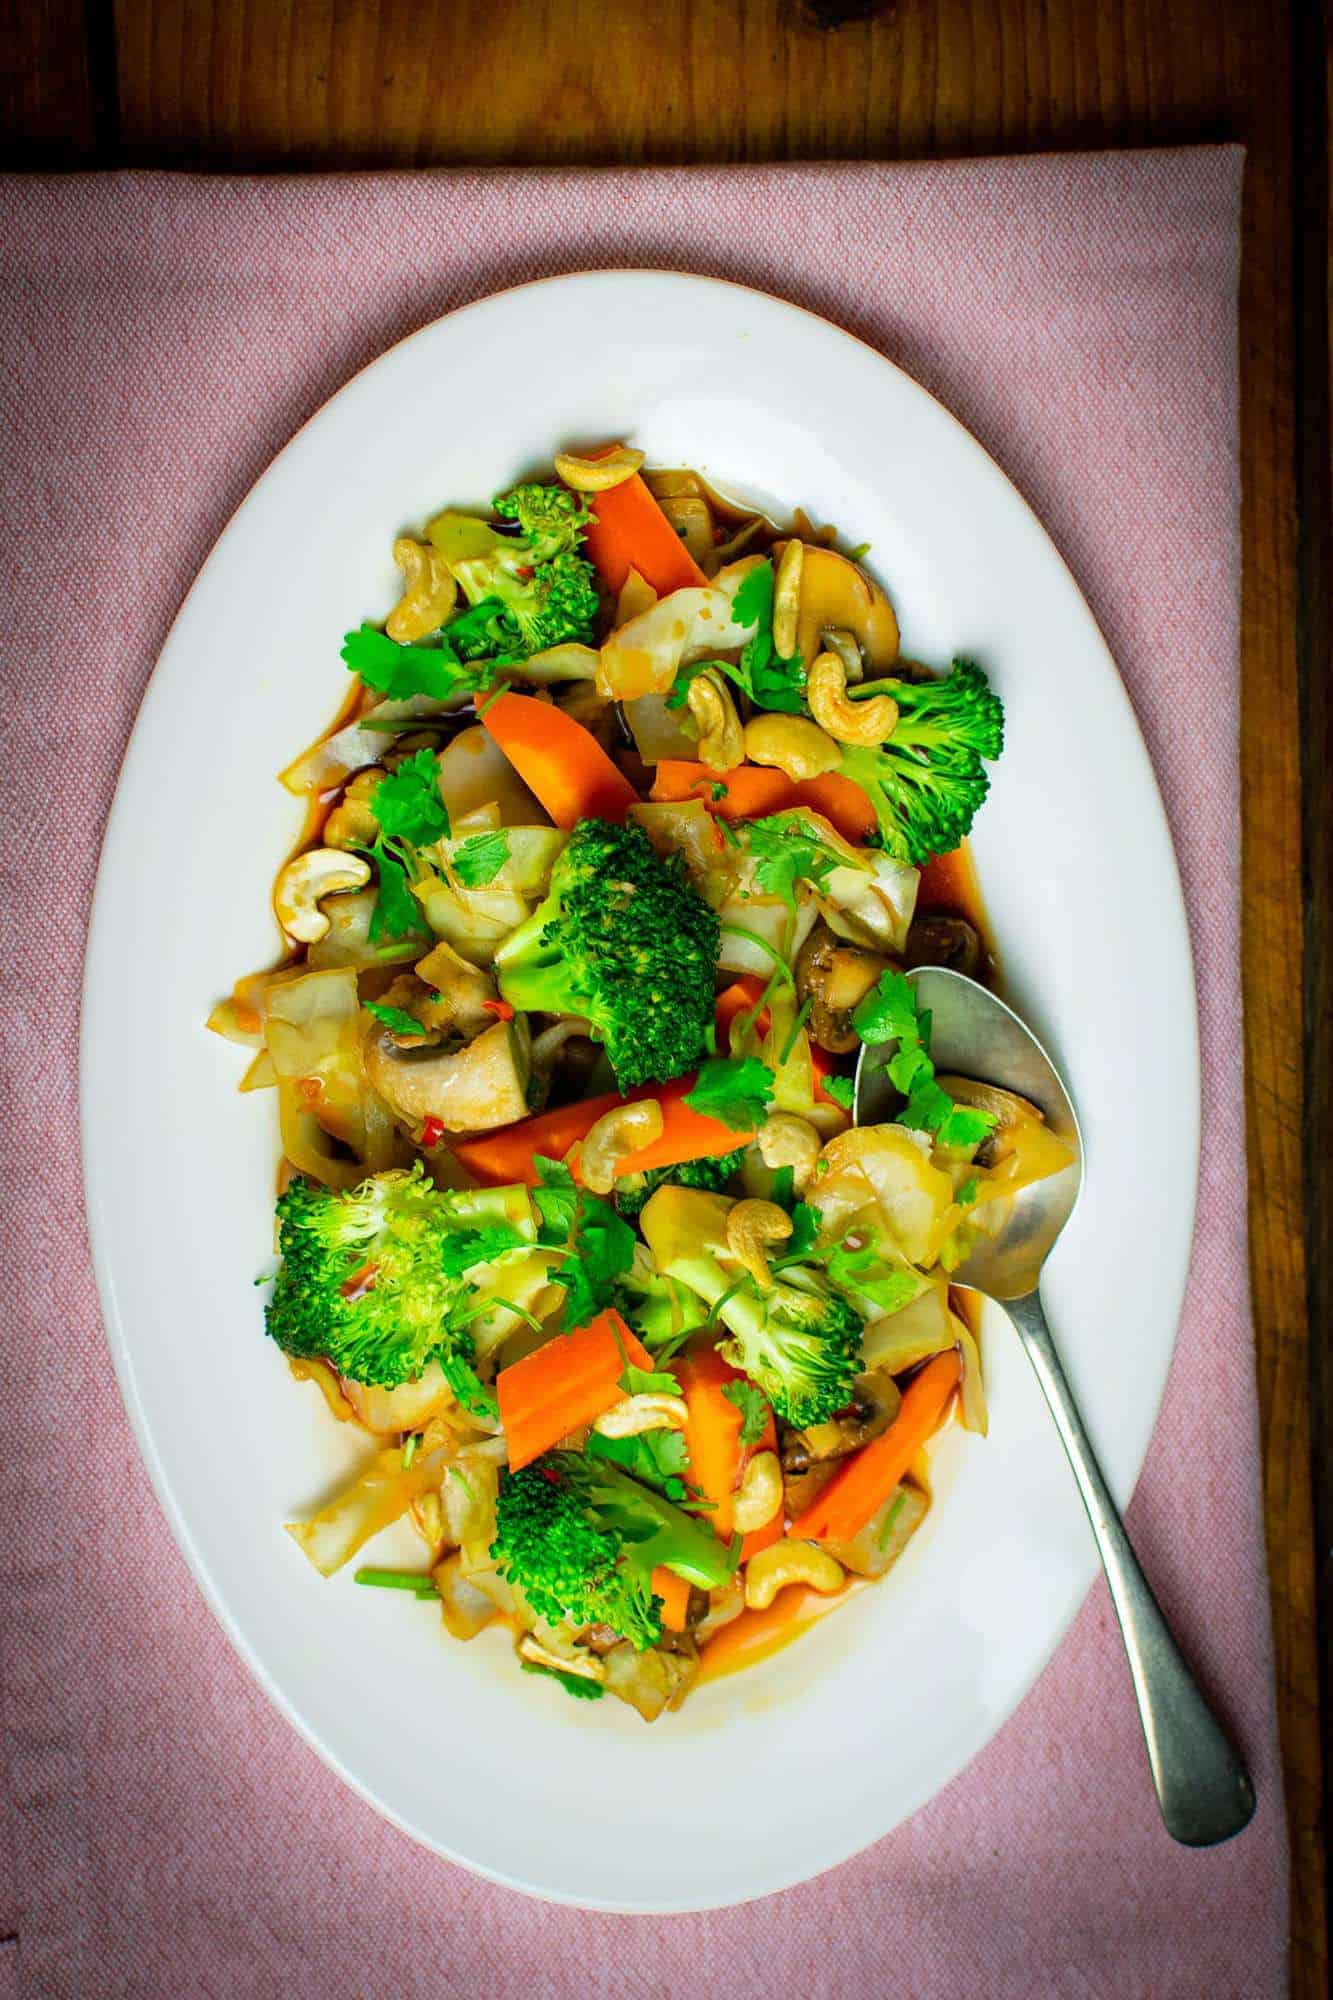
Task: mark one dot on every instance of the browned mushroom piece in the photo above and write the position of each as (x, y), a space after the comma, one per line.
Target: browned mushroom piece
(473, 1088)
(939, 939)
(834, 977)
(875, 1403)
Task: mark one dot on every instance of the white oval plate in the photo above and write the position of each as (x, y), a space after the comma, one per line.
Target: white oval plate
(768, 1777)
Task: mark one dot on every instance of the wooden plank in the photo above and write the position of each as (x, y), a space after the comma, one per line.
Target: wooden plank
(1314, 388)
(46, 90)
(249, 83)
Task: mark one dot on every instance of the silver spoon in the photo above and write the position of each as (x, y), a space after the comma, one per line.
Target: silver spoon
(1203, 1789)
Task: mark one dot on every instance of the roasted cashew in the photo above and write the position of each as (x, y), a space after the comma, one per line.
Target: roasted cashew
(635, 1414)
(624, 1130)
(860, 722)
(585, 1666)
(759, 1495)
(788, 1141)
(429, 595)
(787, 598)
(721, 744)
(750, 1225)
(787, 1562)
(598, 475)
(307, 878)
(352, 823)
(790, 744)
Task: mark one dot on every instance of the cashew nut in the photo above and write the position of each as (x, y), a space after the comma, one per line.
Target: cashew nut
(790, 744)
(352, 823)
(429, 595)
(788, 1141)
(635, 1414)
(862, 722)
(789, 1562)
(598, 475)
(750, 1225)
(760, 1493)
(584, 1666)
(787, 598)
(624, 1130)
(308, 877)
(721, 745)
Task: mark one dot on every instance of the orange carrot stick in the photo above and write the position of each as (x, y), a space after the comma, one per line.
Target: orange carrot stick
(753, 790)
(713, 1441)
(565, 1384)
(506, 1157)
(628, 530)
(757, 1635)
(674, 1592)
(558, 759)
(864, 1482)
(686, 1134)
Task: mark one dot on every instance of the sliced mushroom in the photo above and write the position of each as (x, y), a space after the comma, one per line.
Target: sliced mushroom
(472, 1089)
(836, 596)
(874, 1405)
(943, 940)
(834, 977)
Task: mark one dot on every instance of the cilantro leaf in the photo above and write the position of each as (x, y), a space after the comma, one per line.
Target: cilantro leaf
(659, 1458)
(396, 913)
(889, 1013)
(398, 672)
(556, 1197)
(647, 1381)
(805, 1223)
(788, 851)
(395, 1018)
(753, 602)
(841, 1089)
(864, 1271)
(577, 1685)
(598, 1243)
(736, 1090)
(768, 679)
(463, 1248)
(753, 1408)
(480, 859)
(968, 1192)
(408, 805)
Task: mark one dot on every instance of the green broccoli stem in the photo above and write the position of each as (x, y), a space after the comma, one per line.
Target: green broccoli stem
(678, 1542)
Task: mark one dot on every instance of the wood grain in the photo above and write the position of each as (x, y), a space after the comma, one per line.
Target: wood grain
(46, 93)
(341, 83)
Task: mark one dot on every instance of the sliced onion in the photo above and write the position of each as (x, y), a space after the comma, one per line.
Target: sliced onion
(378, 1496)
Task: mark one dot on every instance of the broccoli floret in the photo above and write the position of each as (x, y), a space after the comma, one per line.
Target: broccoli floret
(550, 517)
(797, 1340)
(380, 1280)
(580, 1539)
(528, 590)
(802, 1347)
(927, 782)
(624, 940)
(634, 1190)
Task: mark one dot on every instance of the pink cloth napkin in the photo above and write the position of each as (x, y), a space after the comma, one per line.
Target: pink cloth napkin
(162, 336)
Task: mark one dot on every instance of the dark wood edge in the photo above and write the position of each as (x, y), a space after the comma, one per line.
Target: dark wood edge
(1314, 493)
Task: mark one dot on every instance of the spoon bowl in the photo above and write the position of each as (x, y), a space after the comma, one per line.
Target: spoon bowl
(1203, 1790)
(975, 1034)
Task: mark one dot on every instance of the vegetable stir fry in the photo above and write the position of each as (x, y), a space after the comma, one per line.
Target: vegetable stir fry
(631, 827)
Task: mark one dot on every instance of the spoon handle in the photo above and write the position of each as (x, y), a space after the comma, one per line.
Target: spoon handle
(1203, 1789)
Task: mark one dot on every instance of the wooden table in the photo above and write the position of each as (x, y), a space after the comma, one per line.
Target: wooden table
(282, 84)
